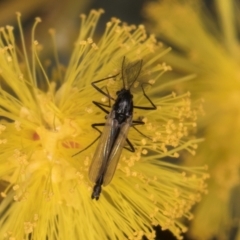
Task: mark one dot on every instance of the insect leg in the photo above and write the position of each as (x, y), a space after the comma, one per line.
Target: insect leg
(131, 147)
(99, 89)
(95, 125)
(101, 105)
(134, 123)
(153, 107)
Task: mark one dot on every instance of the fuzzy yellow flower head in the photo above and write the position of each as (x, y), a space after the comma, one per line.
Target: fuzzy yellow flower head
(208, 45)
(46, 120)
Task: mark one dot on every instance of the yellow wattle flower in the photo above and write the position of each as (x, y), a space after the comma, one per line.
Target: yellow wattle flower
(207, 43)
(46, 119)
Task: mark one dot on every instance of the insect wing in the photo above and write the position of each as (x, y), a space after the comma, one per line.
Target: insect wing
(130, 71)
(116, 151)
(100, 157)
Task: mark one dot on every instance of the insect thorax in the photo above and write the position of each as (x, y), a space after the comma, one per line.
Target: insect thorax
(123, 106)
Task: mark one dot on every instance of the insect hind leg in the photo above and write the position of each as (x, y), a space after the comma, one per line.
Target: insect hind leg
(139, 122)
(131, 147)
(94, 126)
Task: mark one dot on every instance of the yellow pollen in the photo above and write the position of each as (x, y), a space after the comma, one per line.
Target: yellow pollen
(35, 217)
(16, 187)
(9, 59)
(82, 43)
(144, 141)
(152, 81)
(144, 151)
(134, 174)
(89, 110)
(86, 161)
(28, 227)
(94, 46)
(17, 125)
(9, 28)
(109, 24)
(3, 141)
(3, 194)
(103, 99)
(83, 16)
(38, 19)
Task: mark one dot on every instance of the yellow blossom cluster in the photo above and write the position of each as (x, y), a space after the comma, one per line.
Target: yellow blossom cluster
(205, 36)
(46, 118)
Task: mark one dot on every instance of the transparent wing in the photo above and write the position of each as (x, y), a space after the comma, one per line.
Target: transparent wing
(116, 151)
(130, 71)
(100, 157)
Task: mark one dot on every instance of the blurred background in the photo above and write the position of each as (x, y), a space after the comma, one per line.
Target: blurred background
(204, 36)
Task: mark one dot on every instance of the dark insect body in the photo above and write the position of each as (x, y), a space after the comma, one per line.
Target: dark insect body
(114, 135)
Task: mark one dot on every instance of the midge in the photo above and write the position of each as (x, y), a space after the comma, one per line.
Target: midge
(114, 135)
